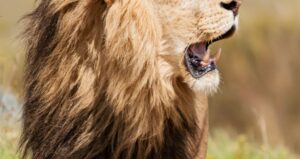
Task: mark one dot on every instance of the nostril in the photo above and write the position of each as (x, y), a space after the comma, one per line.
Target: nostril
(229, 6)
(232, 6)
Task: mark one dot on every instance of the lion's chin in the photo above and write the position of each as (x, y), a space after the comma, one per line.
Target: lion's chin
(207, 84)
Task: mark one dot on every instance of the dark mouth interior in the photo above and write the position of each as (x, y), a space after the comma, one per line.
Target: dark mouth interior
(195, 54)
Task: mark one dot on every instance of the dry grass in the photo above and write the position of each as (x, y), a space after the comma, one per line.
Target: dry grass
(221, 146)
(260, 68)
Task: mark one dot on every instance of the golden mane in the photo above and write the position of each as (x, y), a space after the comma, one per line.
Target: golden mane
(94, 88)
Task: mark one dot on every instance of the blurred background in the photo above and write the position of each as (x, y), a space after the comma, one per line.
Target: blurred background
(255, 114)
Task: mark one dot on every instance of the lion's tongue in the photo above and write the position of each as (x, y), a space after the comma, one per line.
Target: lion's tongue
(201, 55)
(198, 49)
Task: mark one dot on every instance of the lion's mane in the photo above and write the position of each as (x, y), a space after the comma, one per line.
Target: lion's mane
(94, 90)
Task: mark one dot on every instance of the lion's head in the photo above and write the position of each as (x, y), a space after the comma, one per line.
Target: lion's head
(186, 27)
(121, 78)
(189, 27)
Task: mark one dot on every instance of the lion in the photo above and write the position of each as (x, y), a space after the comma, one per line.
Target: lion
(121, 79)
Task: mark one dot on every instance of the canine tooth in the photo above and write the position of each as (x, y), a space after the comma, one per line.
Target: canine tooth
(206, 57)
(218, 55)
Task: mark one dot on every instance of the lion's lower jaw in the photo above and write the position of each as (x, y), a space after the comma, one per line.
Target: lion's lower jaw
(208, 83)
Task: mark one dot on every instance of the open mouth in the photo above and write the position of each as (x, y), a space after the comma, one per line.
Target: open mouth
(198, 59)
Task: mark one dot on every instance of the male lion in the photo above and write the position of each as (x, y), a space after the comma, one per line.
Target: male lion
(122, 79)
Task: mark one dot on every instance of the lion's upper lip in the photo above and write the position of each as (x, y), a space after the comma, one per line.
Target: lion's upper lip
(226, 35)
(198, 59)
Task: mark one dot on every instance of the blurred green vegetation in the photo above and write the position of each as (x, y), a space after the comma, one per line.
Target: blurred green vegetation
(259, 93)
(221, 146)
(9, 134)
(8, 151)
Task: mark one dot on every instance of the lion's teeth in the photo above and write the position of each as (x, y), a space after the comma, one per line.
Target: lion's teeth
(206, 57)
(204, 64)
(218, 55)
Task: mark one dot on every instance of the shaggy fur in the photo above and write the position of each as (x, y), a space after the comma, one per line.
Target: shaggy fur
(105, 80)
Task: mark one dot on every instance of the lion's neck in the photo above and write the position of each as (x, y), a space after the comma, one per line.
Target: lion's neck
(157, 121)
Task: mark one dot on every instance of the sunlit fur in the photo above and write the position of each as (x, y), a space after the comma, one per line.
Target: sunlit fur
(107, 81)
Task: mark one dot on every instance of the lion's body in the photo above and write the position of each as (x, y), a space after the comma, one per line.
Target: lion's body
(99, 84)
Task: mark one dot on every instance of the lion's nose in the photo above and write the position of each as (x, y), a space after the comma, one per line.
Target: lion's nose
(234, 6)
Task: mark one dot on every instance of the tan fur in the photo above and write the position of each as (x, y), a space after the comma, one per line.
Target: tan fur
(107, 80)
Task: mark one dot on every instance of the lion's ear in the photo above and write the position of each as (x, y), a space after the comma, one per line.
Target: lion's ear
(109, 2)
